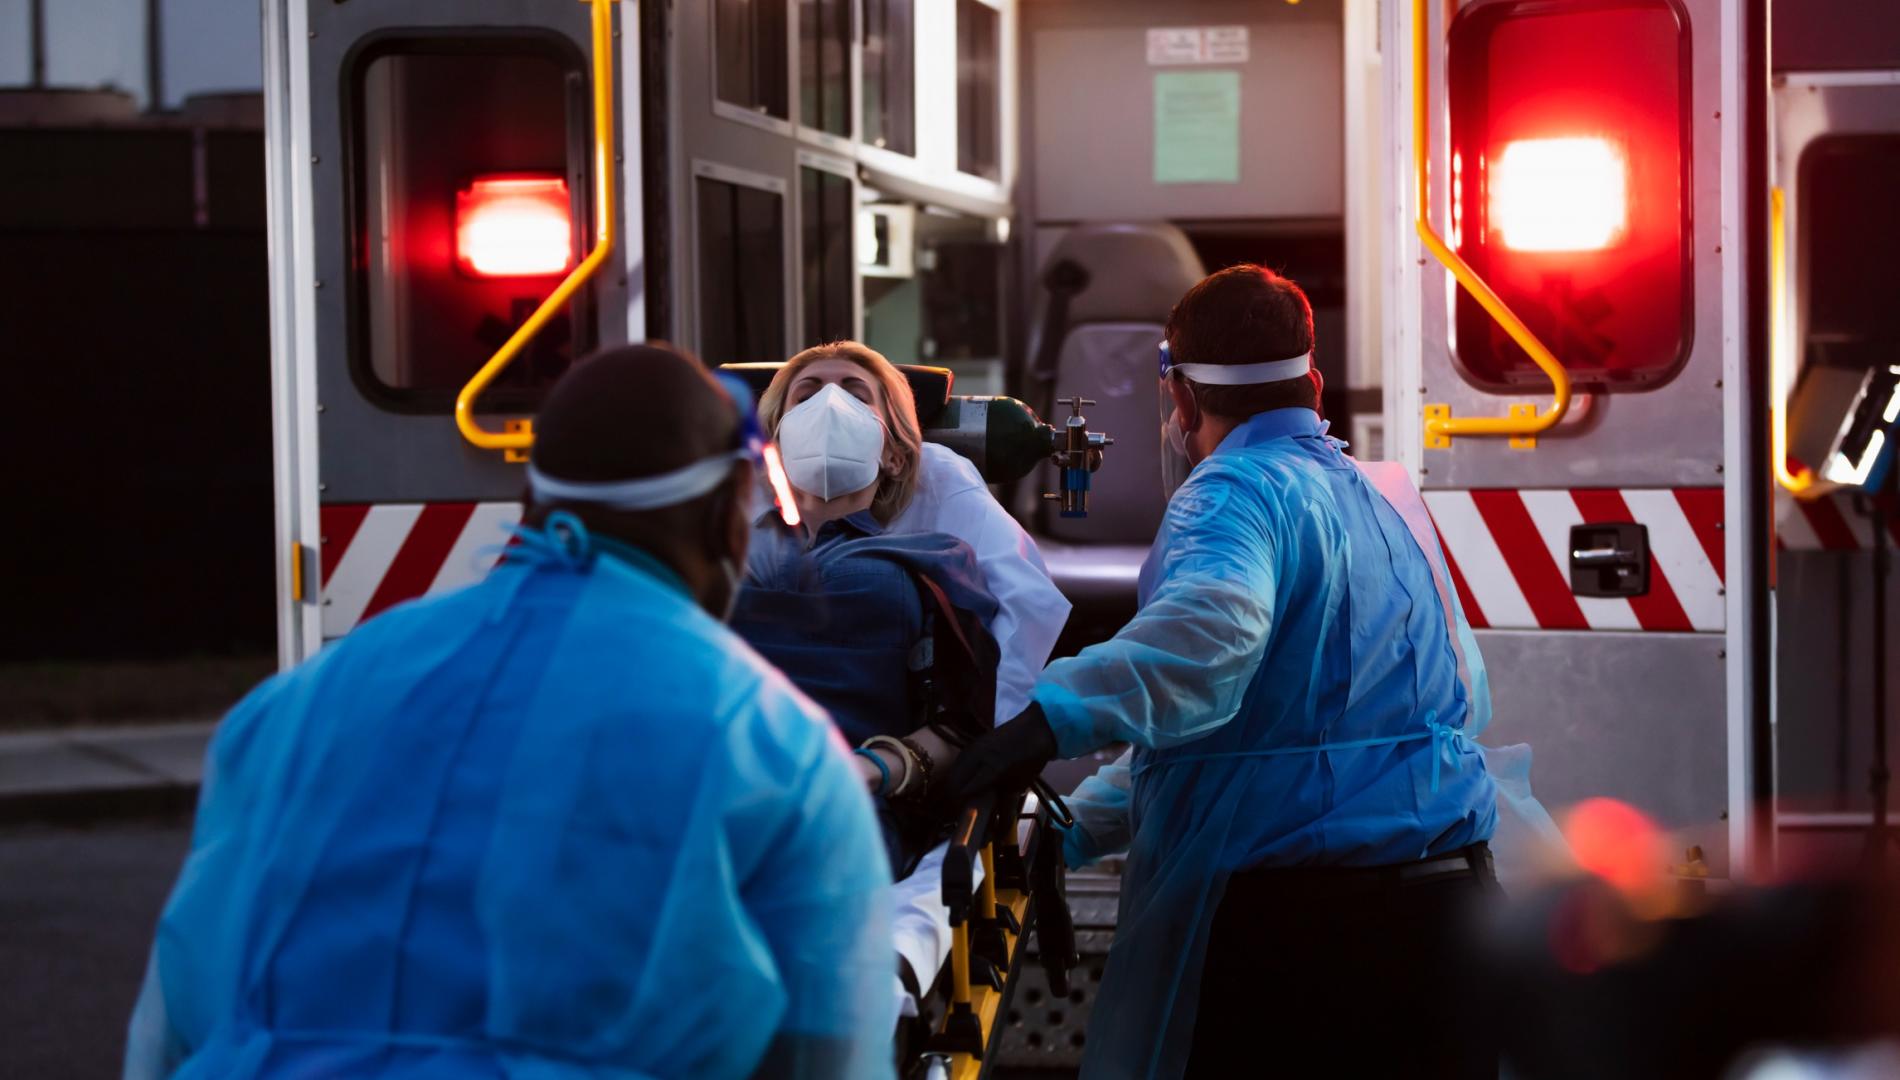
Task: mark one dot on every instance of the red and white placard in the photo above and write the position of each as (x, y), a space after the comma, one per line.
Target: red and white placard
(1829, 523)
(1508, 550)
(377, 556)
(1510, 557)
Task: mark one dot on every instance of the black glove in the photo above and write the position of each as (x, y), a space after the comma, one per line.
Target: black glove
(1005, 759)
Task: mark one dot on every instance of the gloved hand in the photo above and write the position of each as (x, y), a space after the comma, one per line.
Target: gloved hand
(1005, 759)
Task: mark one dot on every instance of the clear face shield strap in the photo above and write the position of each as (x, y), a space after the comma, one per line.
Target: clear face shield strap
(1245, 374)
(645, 493)
(1229, 374)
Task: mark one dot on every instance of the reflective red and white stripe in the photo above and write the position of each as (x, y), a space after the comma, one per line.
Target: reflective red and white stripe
(1509, 552)
(377, 556)
(1829, 523)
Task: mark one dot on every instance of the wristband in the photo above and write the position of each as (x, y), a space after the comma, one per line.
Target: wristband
(884, 771)
(902, 753)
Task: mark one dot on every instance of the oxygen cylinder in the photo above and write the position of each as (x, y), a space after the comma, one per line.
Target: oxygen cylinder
(1002, 436)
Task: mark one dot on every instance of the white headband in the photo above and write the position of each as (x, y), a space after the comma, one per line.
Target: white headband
(1246, 374)
(646, 493)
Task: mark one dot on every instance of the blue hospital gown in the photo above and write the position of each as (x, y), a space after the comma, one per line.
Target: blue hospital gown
(559, 824)
(1292, 693)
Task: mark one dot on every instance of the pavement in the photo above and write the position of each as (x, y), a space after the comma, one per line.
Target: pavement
(78, 905)
(87, 773)
(94, 823)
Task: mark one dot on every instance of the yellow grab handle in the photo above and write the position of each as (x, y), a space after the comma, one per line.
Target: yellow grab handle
(1780, 386)
(1446, 426)
(604, 236)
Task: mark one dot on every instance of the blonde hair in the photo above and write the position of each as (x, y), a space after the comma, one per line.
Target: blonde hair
(903, 438)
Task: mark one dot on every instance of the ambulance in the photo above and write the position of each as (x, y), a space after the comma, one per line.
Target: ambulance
(1607, 276)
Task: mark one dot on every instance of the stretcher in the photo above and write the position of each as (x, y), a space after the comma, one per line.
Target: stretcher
(1018, 847)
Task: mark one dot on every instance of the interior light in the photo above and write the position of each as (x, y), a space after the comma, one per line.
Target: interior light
(870, 243)
(1568, 194)
(1851, 474)
(514, 226)
(1858, 457)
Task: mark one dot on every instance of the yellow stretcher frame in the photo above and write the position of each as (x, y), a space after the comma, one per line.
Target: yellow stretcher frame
(985, 1001)
(520, 434)
(1524, 422)
(980, 999)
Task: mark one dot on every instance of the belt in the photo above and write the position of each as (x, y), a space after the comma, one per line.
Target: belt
(1473, 861)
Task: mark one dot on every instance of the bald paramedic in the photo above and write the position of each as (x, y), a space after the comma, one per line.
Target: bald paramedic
(559, 823)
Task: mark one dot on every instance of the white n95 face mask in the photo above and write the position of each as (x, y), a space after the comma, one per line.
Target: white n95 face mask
(833, 444)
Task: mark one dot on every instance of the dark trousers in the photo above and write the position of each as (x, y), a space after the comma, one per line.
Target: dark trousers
(1347, 973)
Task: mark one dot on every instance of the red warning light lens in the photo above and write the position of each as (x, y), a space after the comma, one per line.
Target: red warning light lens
(514, 226)
(1570, 184)
(1568, 194)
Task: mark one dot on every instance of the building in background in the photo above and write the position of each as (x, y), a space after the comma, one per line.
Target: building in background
(159, 52)
(135, 320)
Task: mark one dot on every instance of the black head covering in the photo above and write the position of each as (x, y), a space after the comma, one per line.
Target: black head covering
(632, 411)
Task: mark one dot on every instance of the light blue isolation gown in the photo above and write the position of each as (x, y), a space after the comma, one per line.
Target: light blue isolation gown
(562, 823)
(1291, 688)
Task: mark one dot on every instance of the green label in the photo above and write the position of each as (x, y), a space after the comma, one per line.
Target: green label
(1197, 127)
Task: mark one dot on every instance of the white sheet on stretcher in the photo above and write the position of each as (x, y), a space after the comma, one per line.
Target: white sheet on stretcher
(920, 923)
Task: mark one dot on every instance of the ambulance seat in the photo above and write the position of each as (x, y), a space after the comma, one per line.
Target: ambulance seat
(1109, 290)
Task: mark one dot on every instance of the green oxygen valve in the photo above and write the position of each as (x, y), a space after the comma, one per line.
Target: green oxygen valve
(1007, 440)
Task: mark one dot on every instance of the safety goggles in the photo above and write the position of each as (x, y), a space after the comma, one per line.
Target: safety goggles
(687, 482)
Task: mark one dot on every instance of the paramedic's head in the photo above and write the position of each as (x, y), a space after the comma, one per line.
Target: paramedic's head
(643, 445)
(1243, 315)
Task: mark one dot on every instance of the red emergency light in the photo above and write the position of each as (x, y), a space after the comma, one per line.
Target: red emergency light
(1567, 194)
(516, 225)
(1570, 189)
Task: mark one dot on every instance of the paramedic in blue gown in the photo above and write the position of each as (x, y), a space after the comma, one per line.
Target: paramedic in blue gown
(560, 823)
(1304, 813)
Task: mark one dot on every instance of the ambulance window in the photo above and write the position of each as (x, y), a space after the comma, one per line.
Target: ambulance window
(826, 226)
(445, 134)
(824, 66)
(741, 273)
(979, 77)
(1849, 222)
(749, 55)
(961, 272)
(890, 75)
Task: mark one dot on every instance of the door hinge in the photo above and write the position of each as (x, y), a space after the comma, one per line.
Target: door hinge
(303, 574)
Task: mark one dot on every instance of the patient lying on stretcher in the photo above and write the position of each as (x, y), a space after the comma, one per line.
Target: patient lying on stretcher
(887, 629)
(859, 623)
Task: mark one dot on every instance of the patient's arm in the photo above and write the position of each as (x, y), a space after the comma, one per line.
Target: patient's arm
(941, 755)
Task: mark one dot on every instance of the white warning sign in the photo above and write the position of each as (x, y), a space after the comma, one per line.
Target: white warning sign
(1197, 45)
